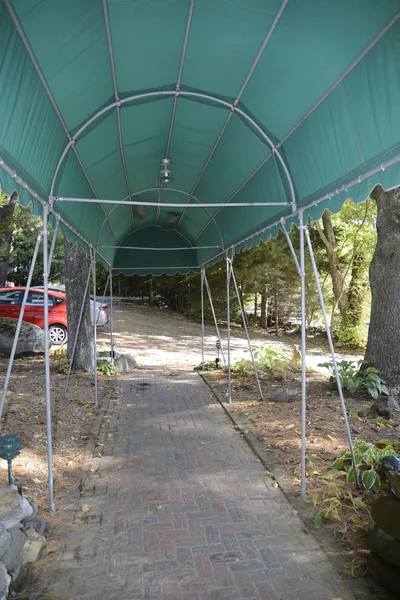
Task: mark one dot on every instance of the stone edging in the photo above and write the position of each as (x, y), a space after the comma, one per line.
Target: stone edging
(365, 588)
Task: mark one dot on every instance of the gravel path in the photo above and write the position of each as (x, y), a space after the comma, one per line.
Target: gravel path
(161, 337)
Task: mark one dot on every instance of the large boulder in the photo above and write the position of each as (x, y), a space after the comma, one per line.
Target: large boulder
(384, 545)
(385, 406)
(30, 342)
(124, 361)
(386, 514)
(5, 581)
(13, 507)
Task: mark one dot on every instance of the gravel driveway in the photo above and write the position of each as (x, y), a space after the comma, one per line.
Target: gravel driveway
(160, 337)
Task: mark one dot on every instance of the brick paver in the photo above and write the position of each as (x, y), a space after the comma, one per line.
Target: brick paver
(177, 507)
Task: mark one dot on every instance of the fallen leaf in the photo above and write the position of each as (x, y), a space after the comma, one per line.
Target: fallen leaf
(85, 508)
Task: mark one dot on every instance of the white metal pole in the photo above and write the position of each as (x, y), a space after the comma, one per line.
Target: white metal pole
(47, 356)
(77, 330)
(202, 317)
(247, 332)
(303, 357)
(228, 319)
(329, 335)
(53, 243)
(111, 319)
(102, 300)
(19, 323)
(214, 316)
(96, 402)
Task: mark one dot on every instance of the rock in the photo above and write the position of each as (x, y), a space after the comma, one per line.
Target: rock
(35, 522)
(384, 545)
(13, 507)
(5, 581)
(394, 480)
(31, 534)
(5, 540)
(388, 574)
(385, 405)
(386, 514)
(12, 559)
(32, 549)
(284, 395)
(31, 338)
(124, 361)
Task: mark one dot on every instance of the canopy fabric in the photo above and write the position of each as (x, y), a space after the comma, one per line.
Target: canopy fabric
(294, 104)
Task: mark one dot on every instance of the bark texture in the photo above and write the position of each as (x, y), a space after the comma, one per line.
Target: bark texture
(6, 232)
(327, 234)
(383, 348)
(77, 264)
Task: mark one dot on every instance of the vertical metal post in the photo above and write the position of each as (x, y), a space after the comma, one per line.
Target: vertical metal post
(303, 357)
(214, 317)
(96, 402)
(247, 332)
(47, 355)
(53, 242)
(202, 317)
(329, 335)
(78, 328)
(111, 318)
(102, 300)
(228, 319)
(19, 323)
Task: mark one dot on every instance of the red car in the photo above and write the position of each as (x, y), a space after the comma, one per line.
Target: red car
(10, 306)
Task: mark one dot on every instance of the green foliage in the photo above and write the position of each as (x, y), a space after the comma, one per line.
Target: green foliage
(108, 369)
(368, 458)
(268, 362)
(353, 379)
(352, 335)
(268, 357)
(209, 365)
(245, 367)
(63, 366)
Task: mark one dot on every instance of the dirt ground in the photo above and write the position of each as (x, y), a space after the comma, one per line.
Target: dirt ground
(164, 339)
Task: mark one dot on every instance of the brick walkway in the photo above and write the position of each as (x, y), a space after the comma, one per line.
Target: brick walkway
(179, 508)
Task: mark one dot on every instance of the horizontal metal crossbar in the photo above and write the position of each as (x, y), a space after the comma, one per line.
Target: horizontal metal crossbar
(171, 204)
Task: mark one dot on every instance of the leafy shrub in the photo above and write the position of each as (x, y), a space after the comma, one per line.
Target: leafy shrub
(368, 458)
(245, 367)
(209, 365)
(268, 361)
(352, 335)
(107, 369)
(268, 357)
(355, 380)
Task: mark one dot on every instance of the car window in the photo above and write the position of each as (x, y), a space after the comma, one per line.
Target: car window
(9, 297)
(37, 299)
(57, 300)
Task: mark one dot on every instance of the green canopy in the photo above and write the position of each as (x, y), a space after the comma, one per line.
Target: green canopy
(263, 107)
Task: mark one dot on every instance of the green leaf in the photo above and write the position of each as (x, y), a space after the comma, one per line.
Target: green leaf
(319, 518)
(315, 500)
(351, 476)
(368, 479)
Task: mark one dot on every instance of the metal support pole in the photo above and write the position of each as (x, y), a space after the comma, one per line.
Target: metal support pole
(111, 319)
(303, 357)
(104, 295)
(53, 242)
(96, 402)
(228, 319)
(214, 317)
(247, 331)
(77, 330)
(19, 324)
(47, 355)
(202, 317)
(329, 335)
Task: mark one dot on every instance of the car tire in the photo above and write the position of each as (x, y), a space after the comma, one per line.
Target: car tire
(58, 334)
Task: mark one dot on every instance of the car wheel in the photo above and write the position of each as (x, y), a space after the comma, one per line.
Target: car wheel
(58, 334)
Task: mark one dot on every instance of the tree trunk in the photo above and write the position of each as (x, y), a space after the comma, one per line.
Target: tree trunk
(276, 307)
(150, 286)
(76, 265)
(383, 348)
(327, 235)
(263, 305)
(357, 290)
(255, 304)
(6, 231)
(242, 302)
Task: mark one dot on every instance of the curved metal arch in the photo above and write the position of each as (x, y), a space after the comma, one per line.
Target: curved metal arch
(155, 190)
(166, 93)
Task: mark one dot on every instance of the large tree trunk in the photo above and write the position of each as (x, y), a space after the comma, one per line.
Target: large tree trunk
(383, 348)
(357, 290)
(327, 235)
(76, 265)
(6, 231)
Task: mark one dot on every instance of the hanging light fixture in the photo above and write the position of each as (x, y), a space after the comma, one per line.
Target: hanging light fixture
(165, 173)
